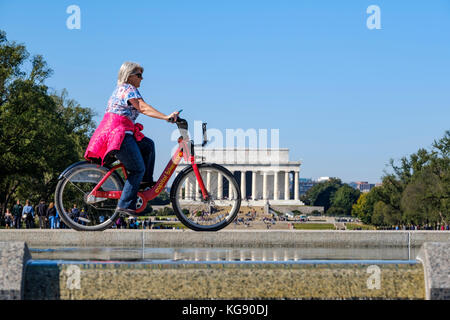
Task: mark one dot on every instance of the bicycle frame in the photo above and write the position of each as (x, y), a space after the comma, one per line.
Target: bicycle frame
(183, 151)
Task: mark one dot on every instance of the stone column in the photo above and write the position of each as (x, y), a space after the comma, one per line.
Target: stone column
(208, 181)
(187, 192)
(286, 185)
(196, 190)
(296, 190)
(219, 186)
(230, 193)
(265, 186)
(253, 185)
(181, 193)
(275, 185)
(243, 185)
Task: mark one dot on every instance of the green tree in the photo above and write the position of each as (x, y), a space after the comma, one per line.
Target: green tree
(162, 199)
(425, 199)
(364, 207)
(343, 200)
(360, 208)
(322, 193)
(39, 134)
(416, 192)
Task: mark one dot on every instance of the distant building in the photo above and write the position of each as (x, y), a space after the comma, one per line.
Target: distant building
(304, 184)
(362, 186)
(353, 185)
(323, 179)
(265, 176)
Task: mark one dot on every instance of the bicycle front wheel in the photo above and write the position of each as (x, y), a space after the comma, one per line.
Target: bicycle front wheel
(222, 206)
(76, 208)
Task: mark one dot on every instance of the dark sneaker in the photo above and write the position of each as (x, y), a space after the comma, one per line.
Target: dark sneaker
(146, 185)
(129, 212)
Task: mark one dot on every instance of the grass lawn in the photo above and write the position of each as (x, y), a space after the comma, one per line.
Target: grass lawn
(177, 225)
(354, 226)
(314, 226)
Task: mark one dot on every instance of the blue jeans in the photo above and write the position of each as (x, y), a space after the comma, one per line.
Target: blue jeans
(52, 222)
(138, 157)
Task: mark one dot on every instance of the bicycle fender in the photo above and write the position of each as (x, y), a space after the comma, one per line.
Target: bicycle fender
(70, 167)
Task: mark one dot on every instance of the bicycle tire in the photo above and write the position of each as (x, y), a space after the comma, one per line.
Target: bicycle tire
(92, 174)
(180, 205)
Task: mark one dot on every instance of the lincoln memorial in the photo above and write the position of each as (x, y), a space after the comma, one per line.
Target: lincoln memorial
(266, 176)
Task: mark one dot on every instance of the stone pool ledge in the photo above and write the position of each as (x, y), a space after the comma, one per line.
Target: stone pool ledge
(435, 258)
(24, 278)
(14, 257)
(225, 238)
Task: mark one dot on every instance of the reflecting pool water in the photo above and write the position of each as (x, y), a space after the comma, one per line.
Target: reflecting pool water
(222, 254)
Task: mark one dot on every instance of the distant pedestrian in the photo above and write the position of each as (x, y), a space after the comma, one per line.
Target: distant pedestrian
(41, 210)
(9, 219)
(28, 215)
(118, 223)
(75, 213)
(17, 214)
(51, 215)
(82, 217)
(58, 222)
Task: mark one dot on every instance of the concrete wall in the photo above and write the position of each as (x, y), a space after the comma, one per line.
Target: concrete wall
(225, 238)
(223, 281)
(13, 260)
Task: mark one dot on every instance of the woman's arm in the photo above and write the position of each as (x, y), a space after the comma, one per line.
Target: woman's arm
(148, 110)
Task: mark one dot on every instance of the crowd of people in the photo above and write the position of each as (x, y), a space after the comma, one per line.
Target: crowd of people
(248, 218)
(132, 223)
(441, 227)
(45, 216)
(26, 216)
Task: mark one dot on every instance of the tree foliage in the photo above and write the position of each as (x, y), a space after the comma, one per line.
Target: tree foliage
(416, 193)
(343, 200)
(322, 193)
(336, 198)
(41, 133)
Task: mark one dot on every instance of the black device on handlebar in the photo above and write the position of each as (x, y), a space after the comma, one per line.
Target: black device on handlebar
(205, 138)
(183, 127)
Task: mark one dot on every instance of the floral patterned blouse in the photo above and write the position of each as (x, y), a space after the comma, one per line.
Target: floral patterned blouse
(119, 104)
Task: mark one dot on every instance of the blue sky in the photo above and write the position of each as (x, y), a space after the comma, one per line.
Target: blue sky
(346, 99)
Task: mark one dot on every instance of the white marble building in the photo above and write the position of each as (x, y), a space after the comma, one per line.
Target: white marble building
(265, 175)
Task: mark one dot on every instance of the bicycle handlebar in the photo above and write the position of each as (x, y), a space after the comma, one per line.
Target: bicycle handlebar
(171, 118)
(183, 127)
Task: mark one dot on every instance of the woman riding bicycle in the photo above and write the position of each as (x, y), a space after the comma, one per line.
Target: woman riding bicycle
(119, 135)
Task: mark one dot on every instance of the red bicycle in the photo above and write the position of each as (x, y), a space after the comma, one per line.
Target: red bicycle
(204, 196)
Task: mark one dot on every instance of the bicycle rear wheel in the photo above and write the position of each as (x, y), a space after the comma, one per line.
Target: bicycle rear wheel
(213, 214)
(94, 214)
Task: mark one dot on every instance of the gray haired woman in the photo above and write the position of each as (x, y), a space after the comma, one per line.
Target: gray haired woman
(118, 134)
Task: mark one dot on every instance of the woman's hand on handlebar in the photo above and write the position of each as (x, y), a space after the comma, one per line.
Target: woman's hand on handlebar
(172, 118)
